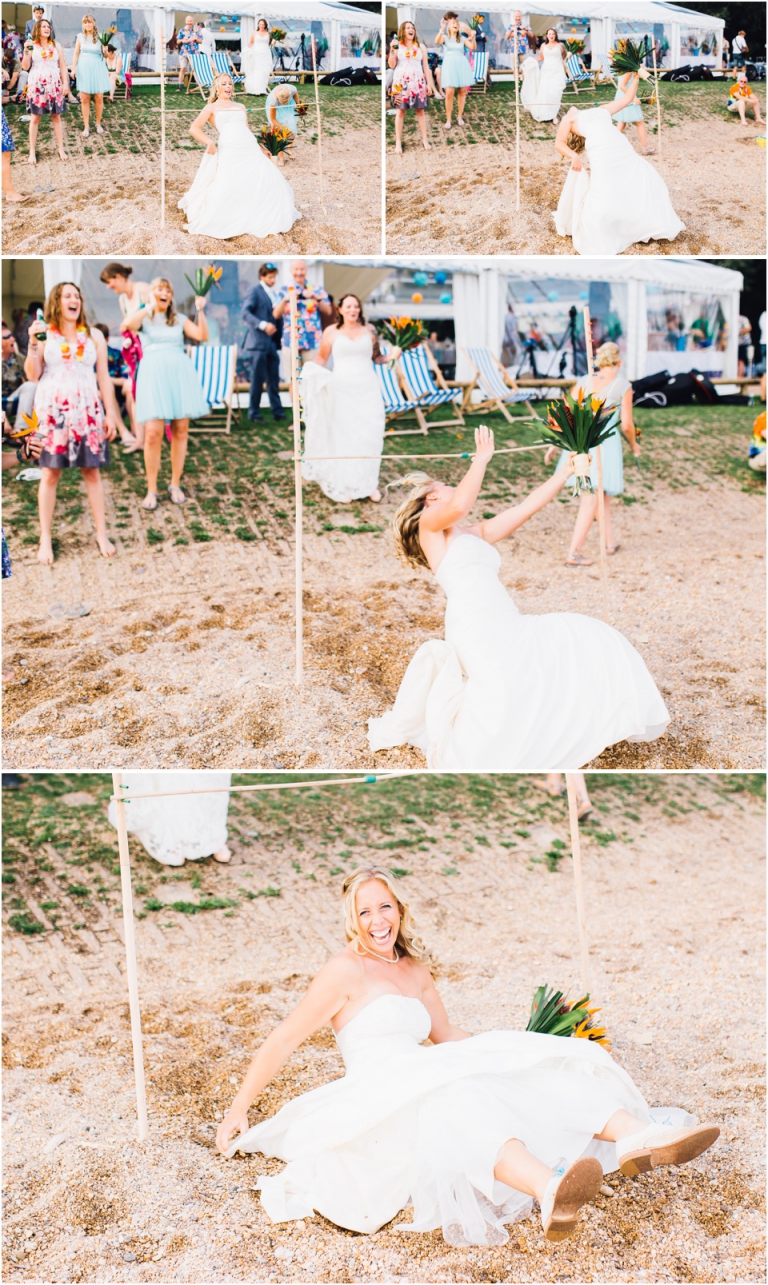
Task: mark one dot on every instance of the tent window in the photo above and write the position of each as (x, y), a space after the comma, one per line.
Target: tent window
(133, 30)
(698, 45)
(360, 44)
(656, 32)
(542, 336)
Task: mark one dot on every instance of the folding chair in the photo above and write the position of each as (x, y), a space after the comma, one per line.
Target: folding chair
(481, 68)
(396, 405)
(604, 70)
(201, 72)
(576, 72)
(215, 365)
(499, 388)
(223, 65)
(123, 88)
(424, 381)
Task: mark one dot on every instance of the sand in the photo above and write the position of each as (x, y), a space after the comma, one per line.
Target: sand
(676, 925)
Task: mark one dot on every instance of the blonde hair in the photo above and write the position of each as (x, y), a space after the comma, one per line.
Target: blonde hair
(407, 937)
(88, 17)
(170, 315)
(223, 75)
(405, 523)
(401, 32)
(608, 355)
(283, 94)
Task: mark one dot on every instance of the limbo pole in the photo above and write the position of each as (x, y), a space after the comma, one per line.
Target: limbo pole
(573, 817)
(299, 571)
(658, 100)
(517, 124)
(319, 122)
(599, 460)
(130, 955)
(162, 127)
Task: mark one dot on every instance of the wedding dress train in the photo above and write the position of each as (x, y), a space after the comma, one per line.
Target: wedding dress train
(175, 830)
(423, 1126)
(512, 693)
(344, 416)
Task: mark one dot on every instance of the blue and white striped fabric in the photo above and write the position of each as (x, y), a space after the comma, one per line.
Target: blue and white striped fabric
(575, 69)
(391, 392)
(203, 73)
(481, 66)
(223, 66)
(606, 71)
(418, 376)
(491, 378)
(215, 366)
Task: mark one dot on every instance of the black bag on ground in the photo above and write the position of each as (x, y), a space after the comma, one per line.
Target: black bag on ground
(350, 76)
(650, 384)
(663, 389)
(687, 73)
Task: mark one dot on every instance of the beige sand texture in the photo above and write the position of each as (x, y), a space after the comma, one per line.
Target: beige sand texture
(676, 925)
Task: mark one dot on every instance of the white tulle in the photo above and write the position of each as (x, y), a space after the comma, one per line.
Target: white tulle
(543, 85)
(175, 830)
(512, 693)
(424, 1126)
(344, 416)
(256, 63)
(239, 191)
(620, 200)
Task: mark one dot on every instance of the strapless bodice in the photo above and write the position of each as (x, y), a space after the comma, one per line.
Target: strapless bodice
(467, 561)
(597, 129)
(387, 1027)
(353, 354)
(231, 122)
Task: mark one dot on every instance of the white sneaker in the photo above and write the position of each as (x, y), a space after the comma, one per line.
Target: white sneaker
(662, 1144)
(565, 1193)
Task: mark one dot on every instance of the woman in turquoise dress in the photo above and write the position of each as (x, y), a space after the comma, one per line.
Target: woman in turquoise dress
(455, 37)
(608, 383)
(90, 69)
(167, 387)
(632, 115)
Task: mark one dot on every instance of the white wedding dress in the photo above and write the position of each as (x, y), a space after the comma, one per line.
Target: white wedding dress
(239, 191)
(543, 85)
(344, 415)
(620, 200)
(423, 1126)
(511, 693)
(256, 61)
(182, 829)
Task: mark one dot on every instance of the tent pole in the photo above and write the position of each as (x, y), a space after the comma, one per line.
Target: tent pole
(573, 817)
(658, 100)
(517, 125)
(299, 570)
(599, 459)
(319, 122)
(130, 955)
(162, 127)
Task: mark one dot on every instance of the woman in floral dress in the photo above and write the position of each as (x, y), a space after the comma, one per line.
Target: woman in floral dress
(75, 406)
(412, 82)
(44, 60)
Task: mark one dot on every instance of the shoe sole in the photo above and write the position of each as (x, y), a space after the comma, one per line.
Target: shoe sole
(581, 1183)
(674, 1153)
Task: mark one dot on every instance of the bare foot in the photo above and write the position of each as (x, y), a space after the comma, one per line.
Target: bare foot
(427, 147)
(14, 196)
(45, 553)
(375, 496)
(32, 159)
(223, 855)
(398, 149)
(106, 547)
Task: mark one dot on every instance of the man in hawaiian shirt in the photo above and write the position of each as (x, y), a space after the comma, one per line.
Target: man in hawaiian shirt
(311, 301)
(188, 40)
(524, 35)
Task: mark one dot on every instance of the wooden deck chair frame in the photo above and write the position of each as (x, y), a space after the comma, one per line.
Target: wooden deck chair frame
(403, 412)
(573, 85)
(219, 418)
(604, 71)
(231, 68)
(121, 90)
(494, 403)
(191, 78)
(421, 412)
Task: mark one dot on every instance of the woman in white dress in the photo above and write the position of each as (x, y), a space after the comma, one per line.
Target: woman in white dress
(343, 408)
(544, 79)
(237, 190)
(621, 199)
(257, 59)
(175, 830)
(506, 692)
(469, 1130)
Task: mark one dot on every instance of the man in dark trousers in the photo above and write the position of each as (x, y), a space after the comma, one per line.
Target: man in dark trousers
(262, 341)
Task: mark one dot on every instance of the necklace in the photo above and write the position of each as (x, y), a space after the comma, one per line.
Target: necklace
(383, 958)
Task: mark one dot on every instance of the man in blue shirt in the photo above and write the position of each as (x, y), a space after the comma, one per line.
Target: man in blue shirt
(262, 343)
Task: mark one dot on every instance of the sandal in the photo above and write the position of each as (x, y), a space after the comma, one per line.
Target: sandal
(177, 495)
(585, 809)
(150, 501)
(577, 560)
(612, 549)
(553, 794)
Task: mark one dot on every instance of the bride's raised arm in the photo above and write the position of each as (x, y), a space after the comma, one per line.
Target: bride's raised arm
(495, 529)
(447, 512)
(619, 104)
(197, 132)
(326, 994)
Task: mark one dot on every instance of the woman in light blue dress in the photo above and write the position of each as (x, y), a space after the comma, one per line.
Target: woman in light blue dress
(90, 69)
(280, 107)
(455, 37)
(167, 387)
(632, 115)
(608, 383)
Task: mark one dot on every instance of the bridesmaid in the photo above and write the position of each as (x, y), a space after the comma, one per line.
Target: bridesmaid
(610, 384)
(632, 115)
(456, 74)
(92, 77)
(412, 82)
(44, 60)
(167, 386)
(257, 59)
(281, 110)
(67, 359)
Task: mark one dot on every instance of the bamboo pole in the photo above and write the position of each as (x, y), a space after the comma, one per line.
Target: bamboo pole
(658, 102)
(573, 817)
(599, 460)
(319, 122)
(517, 123)
(299, 569)
(130, 955)
(162, 127)
(370, 779)
(455, 455)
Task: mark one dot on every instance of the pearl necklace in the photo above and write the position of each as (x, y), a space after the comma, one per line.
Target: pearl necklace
(383, 958)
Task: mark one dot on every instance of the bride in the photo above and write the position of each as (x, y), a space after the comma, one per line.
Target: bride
(506, 692)
(469, 1130)
(237, 190)
(343, 408)
(178, 829)
(257, 59)
(543, 85)
(621, 200)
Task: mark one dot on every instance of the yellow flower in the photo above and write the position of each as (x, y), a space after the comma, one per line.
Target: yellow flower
(596, 403)
(31, 421)
(580, 397)
(213, 271)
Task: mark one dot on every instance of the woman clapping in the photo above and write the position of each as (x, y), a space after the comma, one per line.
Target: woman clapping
(455, 36)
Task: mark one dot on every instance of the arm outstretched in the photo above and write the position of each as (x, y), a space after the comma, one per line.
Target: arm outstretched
(619, 104)
(446, 513)
(505, 523)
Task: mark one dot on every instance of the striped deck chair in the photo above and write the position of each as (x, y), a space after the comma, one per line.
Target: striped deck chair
(576, 72)
(396, 404)
(481, 68)
(424, 381)
(124, 78)
(200, 72)
(498, 388)
(215, 365)
(223, 64)
(604, 70)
